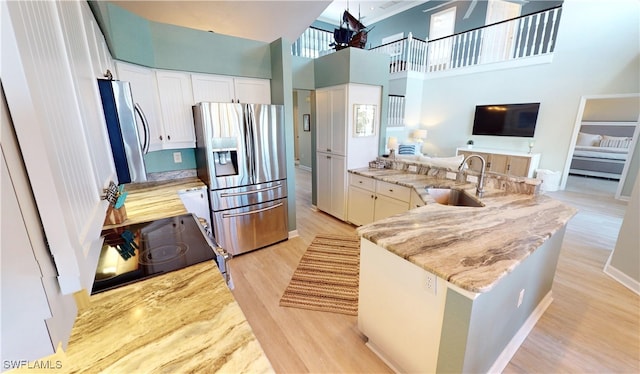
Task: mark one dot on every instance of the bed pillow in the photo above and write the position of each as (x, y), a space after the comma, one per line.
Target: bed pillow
(591, 140)
(407, 149)
(615, 141)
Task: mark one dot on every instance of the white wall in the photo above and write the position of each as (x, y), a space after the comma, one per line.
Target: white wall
(596, 53)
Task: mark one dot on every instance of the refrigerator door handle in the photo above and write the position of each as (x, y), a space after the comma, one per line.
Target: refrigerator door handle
(145, 126)
(228, 215)
(230, 194)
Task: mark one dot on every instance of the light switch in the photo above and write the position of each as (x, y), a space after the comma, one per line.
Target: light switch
(177, 157)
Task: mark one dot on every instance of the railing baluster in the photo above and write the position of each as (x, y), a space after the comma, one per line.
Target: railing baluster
(526, 39)
(553, 29)
(519, 38)
(535, 36)
(544, 32)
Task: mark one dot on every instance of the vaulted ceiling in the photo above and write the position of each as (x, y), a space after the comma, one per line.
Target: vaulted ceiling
(261, 20)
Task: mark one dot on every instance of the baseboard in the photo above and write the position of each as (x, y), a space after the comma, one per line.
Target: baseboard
(381, 356)
(303, 167)
(507, 353)
(314, 208)
(293, 234)
(621, 277)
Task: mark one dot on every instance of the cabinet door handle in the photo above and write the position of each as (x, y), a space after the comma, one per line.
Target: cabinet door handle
(168, 137)
(508, 167)
(328, 149)
(390, 190)
(360, 182)
(328, 156)
(160, 137)
(372, 197)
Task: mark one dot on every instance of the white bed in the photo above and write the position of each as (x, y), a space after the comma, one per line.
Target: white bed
(602, 149)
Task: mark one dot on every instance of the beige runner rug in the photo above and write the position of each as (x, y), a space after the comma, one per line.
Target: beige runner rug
(326, 278)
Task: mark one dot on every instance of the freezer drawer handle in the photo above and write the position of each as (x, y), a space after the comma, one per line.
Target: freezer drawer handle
(230, 194)
(229, 215)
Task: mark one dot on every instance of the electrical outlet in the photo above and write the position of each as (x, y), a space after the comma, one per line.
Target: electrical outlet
(431, 283)
(472, 179)
(177, 157)
(451, 175)
(520, 298)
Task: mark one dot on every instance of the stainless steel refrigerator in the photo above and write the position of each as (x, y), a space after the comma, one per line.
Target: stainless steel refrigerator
(126, 148)
(240, 154)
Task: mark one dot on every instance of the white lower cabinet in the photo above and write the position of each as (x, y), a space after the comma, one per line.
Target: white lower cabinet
(332, 171)
(196, 201)
(372, 200)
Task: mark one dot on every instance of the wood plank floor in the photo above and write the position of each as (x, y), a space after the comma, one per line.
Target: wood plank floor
(593, 325)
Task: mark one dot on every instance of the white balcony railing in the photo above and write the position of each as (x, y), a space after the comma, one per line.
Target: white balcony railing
(527, 36)
(313, 43)
(395, 116)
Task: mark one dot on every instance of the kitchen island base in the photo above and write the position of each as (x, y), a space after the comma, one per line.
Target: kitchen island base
(418, 322)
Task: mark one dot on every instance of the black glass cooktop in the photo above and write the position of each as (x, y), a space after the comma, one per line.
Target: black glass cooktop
(139, 251)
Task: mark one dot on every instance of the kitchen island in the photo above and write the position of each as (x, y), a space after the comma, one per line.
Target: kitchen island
(183, 321)
(457, 288)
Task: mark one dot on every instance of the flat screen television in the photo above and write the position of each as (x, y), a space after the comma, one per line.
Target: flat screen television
(506, 119)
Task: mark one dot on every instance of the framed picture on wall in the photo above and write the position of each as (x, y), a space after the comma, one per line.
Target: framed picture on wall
(306, 122)
(364, 120)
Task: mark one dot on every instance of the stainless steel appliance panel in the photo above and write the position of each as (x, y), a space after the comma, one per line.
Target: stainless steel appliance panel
(229, 198)
(267, 141)
(221, 145)
(251, 227)
(119, 111)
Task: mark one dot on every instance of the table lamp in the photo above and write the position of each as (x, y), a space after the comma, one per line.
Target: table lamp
(392, 143)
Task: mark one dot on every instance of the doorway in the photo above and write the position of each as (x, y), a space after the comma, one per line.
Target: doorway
(302, 128)
(497, 40)
(618, 111)
(441, 24)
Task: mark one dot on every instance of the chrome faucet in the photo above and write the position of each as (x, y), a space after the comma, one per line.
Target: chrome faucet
(480, 186)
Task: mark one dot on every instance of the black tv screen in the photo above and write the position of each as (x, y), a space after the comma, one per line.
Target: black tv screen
(506, 119)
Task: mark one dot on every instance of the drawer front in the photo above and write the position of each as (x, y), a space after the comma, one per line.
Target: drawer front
(362, 182)
(393, 190)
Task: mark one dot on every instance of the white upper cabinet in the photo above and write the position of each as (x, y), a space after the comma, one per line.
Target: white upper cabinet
(176, 100)
(144, 89)
(212, 88)
(227, 89)
(252, 90)
(54, 104)
(101, 60)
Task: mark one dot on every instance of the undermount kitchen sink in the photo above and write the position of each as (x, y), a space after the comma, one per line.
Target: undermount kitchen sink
(453, 197)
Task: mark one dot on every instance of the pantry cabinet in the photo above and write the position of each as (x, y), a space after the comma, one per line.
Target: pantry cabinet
(503, 162)
(227, 89)
(336, 139)
(331, 196)
(372, 200)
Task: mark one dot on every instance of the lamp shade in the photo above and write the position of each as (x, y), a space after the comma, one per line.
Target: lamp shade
(420, 134)
(392, 142)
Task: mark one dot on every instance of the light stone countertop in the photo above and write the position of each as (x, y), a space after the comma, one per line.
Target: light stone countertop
(183, 321)
(472, 248)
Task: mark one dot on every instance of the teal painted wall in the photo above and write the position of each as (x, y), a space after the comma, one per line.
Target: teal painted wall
(302, 70)
(282, 93)
(159, 161)
(134, 39)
